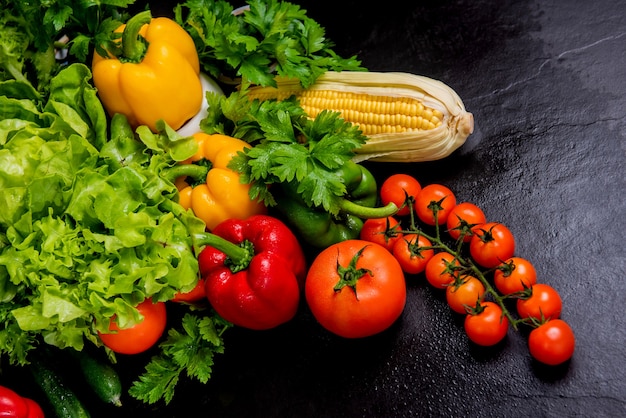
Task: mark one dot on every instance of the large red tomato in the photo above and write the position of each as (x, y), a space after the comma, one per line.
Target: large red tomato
(355, 288)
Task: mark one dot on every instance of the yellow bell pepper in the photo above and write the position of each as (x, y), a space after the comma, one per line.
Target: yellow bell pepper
(154, 73)
(221, 195)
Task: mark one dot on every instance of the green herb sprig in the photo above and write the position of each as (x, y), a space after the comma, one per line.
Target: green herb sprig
(288, 146)
(266, 39)
(190, 349)
(33, 32)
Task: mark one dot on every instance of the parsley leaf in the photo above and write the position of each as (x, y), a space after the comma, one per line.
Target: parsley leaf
(190, 348)
(30, 31)
(269, 38)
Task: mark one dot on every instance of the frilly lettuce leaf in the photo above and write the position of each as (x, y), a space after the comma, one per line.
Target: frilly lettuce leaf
(89, 226)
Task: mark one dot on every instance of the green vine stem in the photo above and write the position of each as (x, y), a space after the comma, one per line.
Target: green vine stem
(465, 262)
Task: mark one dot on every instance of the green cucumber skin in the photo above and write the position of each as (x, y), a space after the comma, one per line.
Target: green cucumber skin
(102, 378)
(63, 400)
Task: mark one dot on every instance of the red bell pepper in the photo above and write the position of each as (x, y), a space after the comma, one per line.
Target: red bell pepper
(12, 405)
(253, 270)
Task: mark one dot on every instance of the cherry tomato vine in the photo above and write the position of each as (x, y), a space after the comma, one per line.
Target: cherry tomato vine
(459, 250)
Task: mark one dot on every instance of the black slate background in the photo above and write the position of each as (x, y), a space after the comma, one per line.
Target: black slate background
(546, 81)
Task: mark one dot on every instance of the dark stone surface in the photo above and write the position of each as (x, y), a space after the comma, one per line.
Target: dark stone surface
(546, 82)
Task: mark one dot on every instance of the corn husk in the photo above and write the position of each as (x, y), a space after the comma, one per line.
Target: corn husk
(409, 146)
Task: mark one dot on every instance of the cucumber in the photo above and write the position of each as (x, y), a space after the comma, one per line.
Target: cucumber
(101, 376)
(63, 400)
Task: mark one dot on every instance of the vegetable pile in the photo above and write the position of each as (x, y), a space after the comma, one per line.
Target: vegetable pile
(112, 219)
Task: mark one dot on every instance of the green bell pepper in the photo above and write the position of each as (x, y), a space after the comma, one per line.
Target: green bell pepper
(320, 228)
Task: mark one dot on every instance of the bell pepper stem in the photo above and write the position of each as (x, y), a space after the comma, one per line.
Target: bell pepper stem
(197, 172)
(239, 255)
(366, 212)
(134, 46)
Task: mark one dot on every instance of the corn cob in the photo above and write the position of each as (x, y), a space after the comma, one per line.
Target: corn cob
(406, 117)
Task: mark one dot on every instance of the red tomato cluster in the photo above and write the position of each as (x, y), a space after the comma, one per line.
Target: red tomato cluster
(475, 285)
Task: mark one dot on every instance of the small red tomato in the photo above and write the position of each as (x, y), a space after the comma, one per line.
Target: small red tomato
(491, 244)
(397, 188)
(552, 343)
(464, 293)
(462, 219)
(487, 326)
(514, 275)
(442, 269)
(413, 253)
(542, 302)
(434, 198)
(140, 336)
(382, 231)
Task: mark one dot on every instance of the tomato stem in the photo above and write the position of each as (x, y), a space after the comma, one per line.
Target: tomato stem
(350, 275)
(238, 255)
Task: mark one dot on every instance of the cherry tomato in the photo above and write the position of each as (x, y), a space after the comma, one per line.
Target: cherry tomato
(140, 336)
(552, 343)
(464, 293)
(463, 218)
(383, 231)
(431, 197)
(543, 302)
(488, 326)
(355, 288)
(412, 253)
(491, 244)
(396, 188)
(514, 275)
(442, 269)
